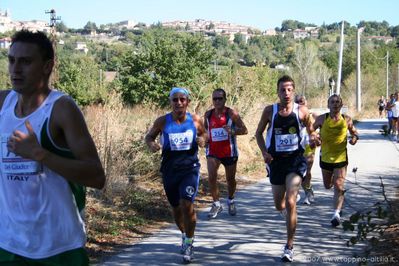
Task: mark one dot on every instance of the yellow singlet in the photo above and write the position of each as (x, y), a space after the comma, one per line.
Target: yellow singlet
(333, 140)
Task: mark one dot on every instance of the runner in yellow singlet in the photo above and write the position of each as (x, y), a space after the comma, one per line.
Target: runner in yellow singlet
(333, 154)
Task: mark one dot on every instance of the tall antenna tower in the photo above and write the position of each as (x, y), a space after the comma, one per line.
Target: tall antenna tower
(53, 38)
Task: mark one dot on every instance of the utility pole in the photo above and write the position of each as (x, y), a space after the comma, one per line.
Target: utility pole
(341, 51)
(358, 72)
(387, 75)
(53, 37)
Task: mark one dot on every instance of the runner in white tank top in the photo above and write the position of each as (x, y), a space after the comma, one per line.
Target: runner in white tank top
(47, 156)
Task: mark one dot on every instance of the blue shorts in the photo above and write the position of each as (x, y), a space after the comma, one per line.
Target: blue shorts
(181, 184)
(282, 166)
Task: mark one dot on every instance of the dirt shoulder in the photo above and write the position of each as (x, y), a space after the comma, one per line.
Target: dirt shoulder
(114, 224)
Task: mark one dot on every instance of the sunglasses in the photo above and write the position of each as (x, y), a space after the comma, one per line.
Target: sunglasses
(182, 99)
(218, 99)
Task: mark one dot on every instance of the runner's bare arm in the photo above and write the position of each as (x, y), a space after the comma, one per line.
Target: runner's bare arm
(352, 130)
(260, 140)
(201, 132)
(314, 136)
(240, 128)
(153, 133)
(69, 130)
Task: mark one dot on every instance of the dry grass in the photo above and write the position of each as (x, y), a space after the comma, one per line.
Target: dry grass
(133, 205)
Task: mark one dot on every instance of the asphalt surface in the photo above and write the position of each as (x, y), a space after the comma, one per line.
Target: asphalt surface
(257, 234)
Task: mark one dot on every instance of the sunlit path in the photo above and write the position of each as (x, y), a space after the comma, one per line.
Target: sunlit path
(257, 234)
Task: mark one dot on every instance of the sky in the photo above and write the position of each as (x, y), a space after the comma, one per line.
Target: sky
(261, 14)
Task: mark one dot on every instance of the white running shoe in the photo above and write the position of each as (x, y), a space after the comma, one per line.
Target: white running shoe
(188, 255)
(336, 220)
(306, 201)
(232, 208)
(288, 255)
(215, 210)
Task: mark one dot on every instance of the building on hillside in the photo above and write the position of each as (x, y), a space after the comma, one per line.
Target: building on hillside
(385, 39)
(300, 34)
(33, 25)
(282, 67)
(270, 32)
(208, 26)
(5, 42)
(5, 21)
(128, 24)
(81, 46)
(6, 24)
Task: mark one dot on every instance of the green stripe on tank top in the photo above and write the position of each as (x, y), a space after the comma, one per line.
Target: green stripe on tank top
(78, 190)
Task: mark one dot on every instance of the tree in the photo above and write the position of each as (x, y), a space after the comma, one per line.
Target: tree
(61, 27)
(305, 55)
(395, 31)
(211, 26)
(220, 41)
(79, 76)
(165, 59)
(239, 39)
(89, 27)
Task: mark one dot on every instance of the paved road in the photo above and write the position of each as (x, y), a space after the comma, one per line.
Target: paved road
(257, 234)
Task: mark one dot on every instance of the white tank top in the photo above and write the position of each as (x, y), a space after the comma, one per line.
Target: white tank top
(38, 214)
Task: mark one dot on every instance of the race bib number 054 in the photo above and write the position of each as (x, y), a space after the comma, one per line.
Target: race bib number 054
(181, 141)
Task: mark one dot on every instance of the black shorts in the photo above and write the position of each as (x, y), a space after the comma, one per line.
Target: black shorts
(282, 166)
(226, 161)
(381, 108)
(332, 166)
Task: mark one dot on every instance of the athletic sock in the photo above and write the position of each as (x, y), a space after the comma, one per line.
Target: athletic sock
(217, 203)
(188, 240)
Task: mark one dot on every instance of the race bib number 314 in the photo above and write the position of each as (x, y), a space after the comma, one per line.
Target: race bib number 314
(181, 141)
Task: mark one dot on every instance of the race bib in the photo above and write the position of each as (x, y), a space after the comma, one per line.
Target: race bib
(15, 167)
(219, 134)
(181, 141)
(286, 142)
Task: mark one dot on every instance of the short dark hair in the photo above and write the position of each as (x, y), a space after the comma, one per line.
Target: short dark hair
(335, 96)
(222, 91)
(299, 97)
(285, 78)
(39, 38)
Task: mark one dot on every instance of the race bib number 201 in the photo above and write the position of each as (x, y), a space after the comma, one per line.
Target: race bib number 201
(181, 141)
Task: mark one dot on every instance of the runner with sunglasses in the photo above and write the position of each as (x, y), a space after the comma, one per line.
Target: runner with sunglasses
(181, 134)
(223, 124)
